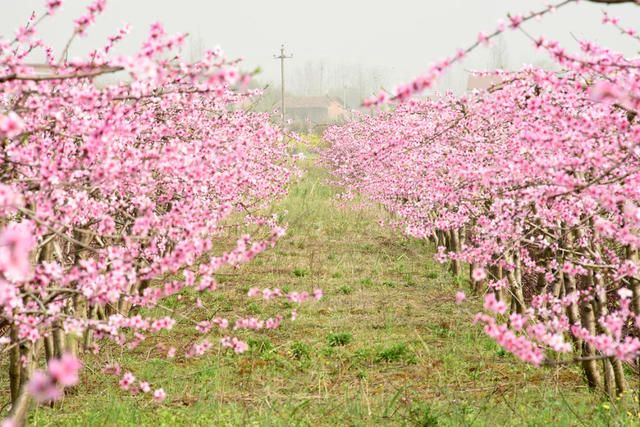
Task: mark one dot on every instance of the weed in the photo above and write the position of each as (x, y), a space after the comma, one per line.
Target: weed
(502, 353)
(460, 281)
(300, 350)
(361, 355)
(442, 331)
(366, 282)
(490, 345)
(259, 345)
(171, 302)
(328, 352)
(409, 279)
(253, 308)
(424, 416)
(339, 339)
(396, 353)
(227, 306)
(399, 268)
(345, 290)
(298, 272)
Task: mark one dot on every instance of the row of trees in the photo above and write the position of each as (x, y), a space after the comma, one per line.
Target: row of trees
(535, 184)
(109, 193)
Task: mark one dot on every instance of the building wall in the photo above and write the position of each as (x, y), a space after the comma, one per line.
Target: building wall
(482, 82)
(315, 115)
(336, 112)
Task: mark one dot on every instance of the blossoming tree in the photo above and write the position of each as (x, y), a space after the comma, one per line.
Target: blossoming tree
(107, 190)
(534, 183)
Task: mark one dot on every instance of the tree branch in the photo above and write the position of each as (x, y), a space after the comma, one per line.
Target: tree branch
(88, 74)
(615, 1)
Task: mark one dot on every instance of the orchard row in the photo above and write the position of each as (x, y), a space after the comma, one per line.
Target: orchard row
(533, 183)
(110, 192)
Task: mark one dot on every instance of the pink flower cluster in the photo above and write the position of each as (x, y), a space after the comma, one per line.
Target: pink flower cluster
(128, 382)
(535, 183)
(235, 344)
(48, 386)
(109, 189)
(298, 297)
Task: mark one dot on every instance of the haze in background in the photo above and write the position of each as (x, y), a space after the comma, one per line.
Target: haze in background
(343, 48)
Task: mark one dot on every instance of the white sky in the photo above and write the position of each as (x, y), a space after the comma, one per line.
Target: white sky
(400, 37)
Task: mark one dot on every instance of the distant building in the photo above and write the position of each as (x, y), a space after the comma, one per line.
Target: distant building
(314, 109)
(482, 82)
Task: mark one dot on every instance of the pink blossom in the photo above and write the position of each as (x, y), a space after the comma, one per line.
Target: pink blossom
(491, 303)
(9, 198)
(159, 395)
(8, 422)
(127, 380)
(517, 321)
(606, 92)
(483, 38)
(42, 387)
(478, 274)
(234, 343)
(113, 369)
(53, 5)
(65, 370)
(144, 386)
(16, 242)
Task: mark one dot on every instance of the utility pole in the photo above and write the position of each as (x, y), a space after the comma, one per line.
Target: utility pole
(344, 95)
(344, 99)
(282, 57)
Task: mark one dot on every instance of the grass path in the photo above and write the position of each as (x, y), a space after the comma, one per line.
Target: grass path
(386, 346)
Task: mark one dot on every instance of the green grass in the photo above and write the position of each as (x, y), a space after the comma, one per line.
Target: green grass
(387, 344)
(396, 353)
(339, 339)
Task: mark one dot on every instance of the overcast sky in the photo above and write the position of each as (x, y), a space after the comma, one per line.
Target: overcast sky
(400, 37)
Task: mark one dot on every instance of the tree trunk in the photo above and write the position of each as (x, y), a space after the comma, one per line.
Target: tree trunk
(515, 286)
(14, 365)
(614, 372)
(457, 268)
(632, 255)
(589, 367)
(20, 405)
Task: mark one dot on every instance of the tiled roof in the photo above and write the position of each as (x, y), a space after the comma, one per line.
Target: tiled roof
(482, 82)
